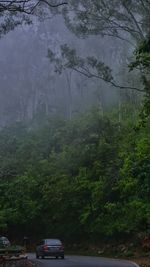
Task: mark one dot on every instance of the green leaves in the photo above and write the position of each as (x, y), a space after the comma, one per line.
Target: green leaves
(85, 174)
(142, 61)
(89, 67)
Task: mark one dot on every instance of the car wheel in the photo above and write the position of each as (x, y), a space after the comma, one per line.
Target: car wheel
(37, 256)
(56, 257)
(42, 257)
(62, 257)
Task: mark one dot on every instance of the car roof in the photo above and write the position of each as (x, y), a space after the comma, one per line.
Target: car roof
(51, 240)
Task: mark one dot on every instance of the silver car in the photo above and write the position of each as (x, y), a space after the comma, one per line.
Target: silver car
(50, 247)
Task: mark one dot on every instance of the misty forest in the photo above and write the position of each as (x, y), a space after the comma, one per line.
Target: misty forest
(75, 119)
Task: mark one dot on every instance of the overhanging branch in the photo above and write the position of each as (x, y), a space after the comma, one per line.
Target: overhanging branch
(113, 83)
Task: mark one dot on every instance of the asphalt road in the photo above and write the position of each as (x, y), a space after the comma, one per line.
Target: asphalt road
(81, 261)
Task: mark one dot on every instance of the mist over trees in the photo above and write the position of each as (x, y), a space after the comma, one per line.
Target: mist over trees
(74, 118)
(30, 79)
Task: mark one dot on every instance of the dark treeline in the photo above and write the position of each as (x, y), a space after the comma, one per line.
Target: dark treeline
(83, 179)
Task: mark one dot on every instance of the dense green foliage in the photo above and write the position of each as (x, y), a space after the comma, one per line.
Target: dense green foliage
(83, 179)
(87, 178)
(142, 61)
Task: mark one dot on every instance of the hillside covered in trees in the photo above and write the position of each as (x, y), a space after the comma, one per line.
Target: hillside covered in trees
(84, 179)
(72, 166)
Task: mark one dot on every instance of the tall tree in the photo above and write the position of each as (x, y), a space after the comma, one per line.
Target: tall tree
(127, 21)
(142, 62)
(120, 18)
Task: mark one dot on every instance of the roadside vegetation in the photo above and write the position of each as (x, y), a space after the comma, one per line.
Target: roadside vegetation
(83, 180)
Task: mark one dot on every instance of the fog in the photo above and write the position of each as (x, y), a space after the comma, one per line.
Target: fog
(29, 85)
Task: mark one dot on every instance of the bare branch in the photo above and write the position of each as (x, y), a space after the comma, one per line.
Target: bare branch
(134, 20)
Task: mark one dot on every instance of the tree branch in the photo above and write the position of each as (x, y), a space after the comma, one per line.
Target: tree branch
(26, 6)
(88, 74)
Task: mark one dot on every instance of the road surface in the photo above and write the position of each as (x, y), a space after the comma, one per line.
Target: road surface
(81, 261)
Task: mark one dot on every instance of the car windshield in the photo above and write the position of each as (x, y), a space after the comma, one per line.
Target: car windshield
(53, 242)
